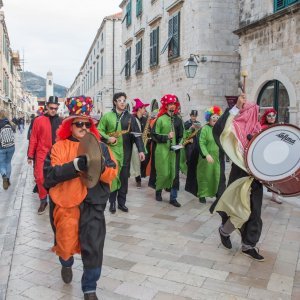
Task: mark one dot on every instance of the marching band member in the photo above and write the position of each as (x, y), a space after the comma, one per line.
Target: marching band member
(138, 168)
(240, 204)
(77, 212)
(167, 132)
(116, 127)
(208, 168)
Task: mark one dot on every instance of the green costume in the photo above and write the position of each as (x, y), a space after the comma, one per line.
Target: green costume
(165, 159)
(208, 174)
(108, 125)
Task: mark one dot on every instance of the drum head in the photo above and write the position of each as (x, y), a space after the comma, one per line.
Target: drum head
(274, 154)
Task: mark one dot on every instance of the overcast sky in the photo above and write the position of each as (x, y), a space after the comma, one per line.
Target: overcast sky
(55, 34)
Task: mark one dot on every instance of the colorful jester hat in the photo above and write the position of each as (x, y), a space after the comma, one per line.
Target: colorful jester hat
(80, 106)
(214, 110)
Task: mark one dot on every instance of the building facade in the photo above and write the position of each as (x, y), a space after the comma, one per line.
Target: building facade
(99, 76)
(11, 91)
(160, 35)
(269, 33)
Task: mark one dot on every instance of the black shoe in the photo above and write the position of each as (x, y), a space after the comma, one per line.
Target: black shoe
(123, 207)
(112, 207)
(66, 274)
(225, 240)
(90, 296)
(175, 203)
(42, 208)
(35, 189)
(158, 196)
(5, 182)
(254, 254)
(202, 200)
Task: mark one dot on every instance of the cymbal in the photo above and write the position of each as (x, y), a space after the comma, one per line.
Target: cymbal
(90, 146)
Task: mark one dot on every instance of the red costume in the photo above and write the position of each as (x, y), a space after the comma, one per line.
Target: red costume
(263, 120)
(41, 140)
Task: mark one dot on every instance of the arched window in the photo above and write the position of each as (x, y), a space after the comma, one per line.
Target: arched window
(274, 94)
(50, 82)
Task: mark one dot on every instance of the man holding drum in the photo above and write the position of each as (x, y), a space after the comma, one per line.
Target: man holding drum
(240, 204)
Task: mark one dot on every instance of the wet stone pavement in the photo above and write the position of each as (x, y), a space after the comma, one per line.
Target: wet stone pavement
(155, 251)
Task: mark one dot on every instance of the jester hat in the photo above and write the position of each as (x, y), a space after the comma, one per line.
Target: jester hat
(214, 110)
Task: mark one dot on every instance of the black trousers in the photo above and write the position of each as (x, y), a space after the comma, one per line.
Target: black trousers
(120, 194)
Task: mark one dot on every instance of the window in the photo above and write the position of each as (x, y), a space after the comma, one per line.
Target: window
(127, 16)
(138, 63)
(173, 42)
(101, 66)
(127, 66)
(97, 70)
(154, 46)
(274, 94)
(139, 7)
(280, 4)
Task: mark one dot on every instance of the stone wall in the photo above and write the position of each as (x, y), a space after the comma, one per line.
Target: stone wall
(272, 51)
(206, 30)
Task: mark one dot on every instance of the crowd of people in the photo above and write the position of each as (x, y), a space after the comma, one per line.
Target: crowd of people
(157, 144)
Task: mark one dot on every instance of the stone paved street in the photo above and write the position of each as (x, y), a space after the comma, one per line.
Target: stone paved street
(154, 252)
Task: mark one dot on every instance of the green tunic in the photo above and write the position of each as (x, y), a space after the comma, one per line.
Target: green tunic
(208, 175)
(108, 125)
(165, 160)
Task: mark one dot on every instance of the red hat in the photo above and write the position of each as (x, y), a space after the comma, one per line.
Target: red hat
(165, 101)
(138, 104)
(79, 106)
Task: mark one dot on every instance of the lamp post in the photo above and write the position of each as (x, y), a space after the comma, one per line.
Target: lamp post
(191, 65)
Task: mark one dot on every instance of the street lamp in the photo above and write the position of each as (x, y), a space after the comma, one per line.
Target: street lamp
(191, 65)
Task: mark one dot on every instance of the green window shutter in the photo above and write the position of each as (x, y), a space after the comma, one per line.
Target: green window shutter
(128, 12)
(139, 7)
(279, 4)
(155, 46)
(151, 48)
(291, 1)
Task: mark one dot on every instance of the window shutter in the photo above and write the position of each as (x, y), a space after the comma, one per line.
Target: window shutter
(139, 7)
(128, 13)
(151, 47)
(176, 34)
(279, 4)
(291, 1)
(155, 46)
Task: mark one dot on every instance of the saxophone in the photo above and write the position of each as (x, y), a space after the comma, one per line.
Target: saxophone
(189, 139)
(146, 132)
(117, 134)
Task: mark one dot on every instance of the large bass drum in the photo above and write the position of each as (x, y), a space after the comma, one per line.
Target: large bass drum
(273, 157)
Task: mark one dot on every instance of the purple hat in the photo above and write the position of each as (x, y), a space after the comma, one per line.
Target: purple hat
(138, 104)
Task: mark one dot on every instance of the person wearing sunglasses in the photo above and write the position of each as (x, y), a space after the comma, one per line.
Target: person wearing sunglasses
(269, 118)
(77, 212)
(42, 137)
(120, 120)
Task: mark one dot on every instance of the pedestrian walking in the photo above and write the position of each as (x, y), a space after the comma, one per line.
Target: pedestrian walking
(7, 148)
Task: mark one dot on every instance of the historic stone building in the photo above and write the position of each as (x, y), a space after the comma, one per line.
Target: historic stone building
(11, 90)
(160, 35)
(269, 33)
(99, 76)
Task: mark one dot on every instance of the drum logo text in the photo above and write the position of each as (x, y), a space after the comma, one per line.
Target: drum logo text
(285, 137)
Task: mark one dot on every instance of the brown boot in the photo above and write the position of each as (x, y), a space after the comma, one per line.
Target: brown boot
(5, 182)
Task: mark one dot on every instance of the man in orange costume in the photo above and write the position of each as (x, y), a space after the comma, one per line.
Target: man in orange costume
(76, 212)
(42, 138)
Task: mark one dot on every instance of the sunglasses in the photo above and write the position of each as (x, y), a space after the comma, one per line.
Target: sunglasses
(271, 116)
(53, 108)
(214, 118)
(121, 100)
(81, 124)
